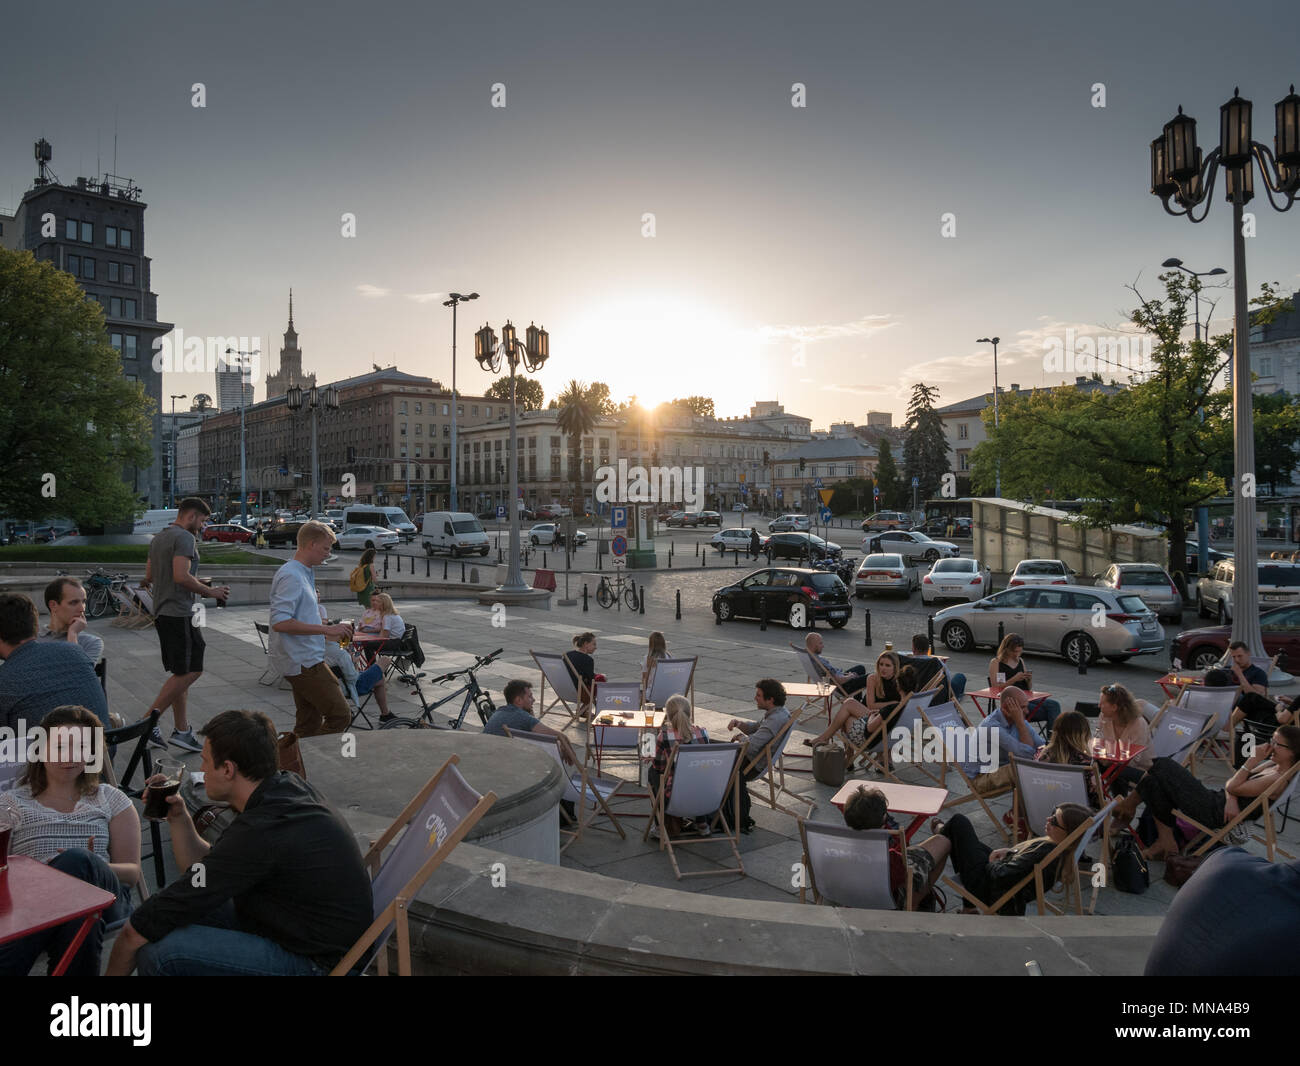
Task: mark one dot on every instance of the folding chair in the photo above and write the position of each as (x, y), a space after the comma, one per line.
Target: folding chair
(850, 867)
(1063, 851)
(1073, 876)
(1041, 787)
(818, 675)
(405, 656)
(271, 675)
(909, 719)
(139, 732)
(957, 740)
(134, 607)
(1276, 795)
(435, 821)
(702, 776)
(584, 791)
(1178, 731)
(356, 701)
(1219, 701)
(671, 677)
(615, 697)
(772, 755)
(555, 669)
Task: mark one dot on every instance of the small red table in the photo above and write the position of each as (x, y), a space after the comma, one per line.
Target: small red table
(1116, 755)
(34, 897)
(992, 695)
(921, 801)
(1174, 682)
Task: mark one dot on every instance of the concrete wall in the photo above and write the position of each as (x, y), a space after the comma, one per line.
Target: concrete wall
(1005, 532)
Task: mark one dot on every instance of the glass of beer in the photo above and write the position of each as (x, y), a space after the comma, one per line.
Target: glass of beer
(155, 803)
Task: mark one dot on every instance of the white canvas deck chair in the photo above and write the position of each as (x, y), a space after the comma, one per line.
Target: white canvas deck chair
(671, 677)
(958, 756)
(614, 741)
(1072, 876)
(563, 685)
(435, 821)
(819, 676)
(772, 755)
(850, 867)
(702, 776)
(1041, 787)
(134, 607)
(588, 792)
(1277, 795)
(271, 675)
(909, 719)
(1220, 701)
(1178, 731)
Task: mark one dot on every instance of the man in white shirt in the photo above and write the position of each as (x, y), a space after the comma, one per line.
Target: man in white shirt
(65, 599)
(298, 637)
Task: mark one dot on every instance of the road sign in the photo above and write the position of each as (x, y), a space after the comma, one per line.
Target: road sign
(744, 490)
(876, 492)
(618, 518)
(916, 482)
(817, 483)
(620, 561)
(501, 510)
(826, 495)
(619, 545)
(742, 479)
(825, 514)
(780, 494)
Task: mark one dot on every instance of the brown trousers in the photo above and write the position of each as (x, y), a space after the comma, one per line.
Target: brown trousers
(319, 702)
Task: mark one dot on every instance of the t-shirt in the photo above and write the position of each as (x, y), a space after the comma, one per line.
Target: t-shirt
(39, 676)
(1136, 733)
(582, 664)
(92, 645)
(1254, 676)
(44, 832)
(168, 599)
(516, 718)
(293, 595)
(1238, 915)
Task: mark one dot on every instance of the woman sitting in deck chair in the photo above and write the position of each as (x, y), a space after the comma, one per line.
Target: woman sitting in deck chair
(1168, 786)
(886, 691)
(678, 728)
(1071, 745)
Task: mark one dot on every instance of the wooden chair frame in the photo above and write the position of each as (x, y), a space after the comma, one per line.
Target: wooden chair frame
(1186, 755)
(1087, 773)
(729, 834)
(810, 878)
(951, 763)
(571, 705)
(775, 773)
(1064, 848)
(688, 691)
(588, 784)
(1275, 795)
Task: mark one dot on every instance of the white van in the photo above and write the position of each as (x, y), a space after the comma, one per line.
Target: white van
(393, 518)
(454, 531)
(155, 521)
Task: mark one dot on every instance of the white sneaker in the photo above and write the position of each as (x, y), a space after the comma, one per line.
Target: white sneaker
(1238, 835)
(654, 832)
(186, 740)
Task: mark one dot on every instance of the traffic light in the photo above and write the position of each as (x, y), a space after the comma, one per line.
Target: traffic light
(803, 463)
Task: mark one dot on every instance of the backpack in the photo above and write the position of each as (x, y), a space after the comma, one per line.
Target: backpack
(357, 580)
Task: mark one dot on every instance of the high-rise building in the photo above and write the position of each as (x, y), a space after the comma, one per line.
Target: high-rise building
(94, 230)
(290, 372)
(234, 387)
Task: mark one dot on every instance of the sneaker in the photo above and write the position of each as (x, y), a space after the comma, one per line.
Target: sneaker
(156, 739)
(654, 832)
(1237, 836)
(702, 827)
(186, 740)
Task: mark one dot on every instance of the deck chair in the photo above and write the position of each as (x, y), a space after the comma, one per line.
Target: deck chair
(1278, 794)
(271, 675)
(405, 656)
(623, 741)
(134, 607)
(1072, 876)
(702, 776)
(1064, 851)
(1177, 732)
(671, 677)
(957, 738)
(850, 867)
(1041, 787)
(818, 675)
(563, 685)
(1266, 663)
(909, 718)
(435, 821)
(586, 791)
(772, 754)
(1220, 701)
(140, 731)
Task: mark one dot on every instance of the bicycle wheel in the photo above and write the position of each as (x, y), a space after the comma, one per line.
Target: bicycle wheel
(97, 602)
(398, 722)
(605, 595)
(630, 598)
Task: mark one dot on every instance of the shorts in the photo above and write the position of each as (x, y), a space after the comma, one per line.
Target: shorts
(181, 642)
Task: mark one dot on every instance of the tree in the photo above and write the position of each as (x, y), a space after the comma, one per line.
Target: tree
(851, 495)
(598, 397)
(887, 479)
(700, 405)
(528, 392)
(577, 418)
(925, 448)
(1277, 437)
(70, 421)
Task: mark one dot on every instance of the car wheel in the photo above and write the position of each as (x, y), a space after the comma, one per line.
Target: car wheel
(1225, 616)
(1078, 646)
(956, 636)
(482, 551)
(932, 556)
(1204, 658)
(838, 623)
(723, 610)
(428, 550)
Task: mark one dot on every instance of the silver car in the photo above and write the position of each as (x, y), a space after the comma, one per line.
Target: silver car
(912, 545)
(884, 573)
(1076, 621)
(1149, 581)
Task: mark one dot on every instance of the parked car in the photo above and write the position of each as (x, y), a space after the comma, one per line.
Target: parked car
(710, 518)
(726, 540)
(227, 533)
(883, 573)
(938, 527)
(774, 592)
(283, 534)
(1040, 572)
(457, 532)
(358, 538)
(545, 534)
(1199, 649)
(800, 546)
(1278, 582)
(740, 507)
(679, 519)
(886, 520)
(541, 513)
(912, 545)
(1059, 620)
(956, 579)
(1149, 581)
(790, 523)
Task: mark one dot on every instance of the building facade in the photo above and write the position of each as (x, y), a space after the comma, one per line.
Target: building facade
(831, 459)
(1275, 353)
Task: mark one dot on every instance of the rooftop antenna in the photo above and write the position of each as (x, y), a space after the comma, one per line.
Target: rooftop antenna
(115, 109)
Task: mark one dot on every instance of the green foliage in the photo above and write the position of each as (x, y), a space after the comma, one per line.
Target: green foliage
(851, 495)
(65, 407)
(700, 405)
(528, 392)
(891, 488)
(598, 397)
(1277, 440)
(577, 418)
(925, 448)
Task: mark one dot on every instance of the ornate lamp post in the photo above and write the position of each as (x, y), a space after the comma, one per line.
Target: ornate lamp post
(328, 397)
(533, 354)
(453, 303)
(1178, 173)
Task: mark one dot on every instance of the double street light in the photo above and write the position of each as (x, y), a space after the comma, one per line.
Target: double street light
(533, 353)
(456, 299)
(1179, 174)
(995, 341)
(316, 398)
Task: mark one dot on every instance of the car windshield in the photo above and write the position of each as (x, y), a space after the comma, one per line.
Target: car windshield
(882, 562)
(465, 527)
(812, 538)
(954, 566)
(1144, 577)
(917, 535)
(1286, 576)
(1055, 569)
(1132, 604)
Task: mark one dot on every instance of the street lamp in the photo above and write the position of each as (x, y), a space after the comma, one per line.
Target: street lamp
(456, 300)
(243, 455)
(171, 480)
(1202, 512)
(1178, 173)
(533, 353)
(997, 491)
(328, 397)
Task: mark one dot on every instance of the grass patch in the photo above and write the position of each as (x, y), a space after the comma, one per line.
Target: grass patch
(211, 554)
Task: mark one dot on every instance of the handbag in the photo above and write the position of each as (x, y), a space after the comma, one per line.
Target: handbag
(1129, 869)
(1179, 868)
(290, 754)
(828, 765)
(357, 580)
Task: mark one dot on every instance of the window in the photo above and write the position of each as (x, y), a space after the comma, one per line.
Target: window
(114, 273)
(70, 229)
(129, 351)
(474, 410)
(88, 268)
(446, 430)
(115, 339)
(419, 407)
(403, 432)
(401, 408)
(115, 306)
(460, 410)
(73, 265)
(417, 451)
(88, 232)
(128, 274)
(419, 427)
(129, 305)
(110, 236)
(1266, 366)
(963, 431)
(124, 238)
(444, 409)
(487, 411)
(963, 460)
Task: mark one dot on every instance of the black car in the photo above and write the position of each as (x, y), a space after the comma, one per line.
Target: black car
(800, 546)
(282, 534)
(789, 593)
(938, 527)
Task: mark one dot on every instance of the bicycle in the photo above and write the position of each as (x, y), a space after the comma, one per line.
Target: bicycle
(474, 697)
(608, 594)
(100, 589)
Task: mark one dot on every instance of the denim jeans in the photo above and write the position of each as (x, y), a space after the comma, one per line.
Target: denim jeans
(215, 947)
(19, 956)
(1044, 710)
(958, 685)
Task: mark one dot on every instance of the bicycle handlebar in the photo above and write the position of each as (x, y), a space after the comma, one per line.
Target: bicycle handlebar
(479, 662)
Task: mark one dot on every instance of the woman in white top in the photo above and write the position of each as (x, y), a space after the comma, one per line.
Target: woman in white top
(382, 618)
(77, 825)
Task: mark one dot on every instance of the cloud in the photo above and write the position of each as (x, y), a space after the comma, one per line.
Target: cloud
(424, 297)
(369, 290)
(862, 327)
(862, 390)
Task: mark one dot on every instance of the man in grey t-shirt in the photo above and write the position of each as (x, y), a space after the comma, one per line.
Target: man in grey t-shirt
(65, 599)
(173, 560)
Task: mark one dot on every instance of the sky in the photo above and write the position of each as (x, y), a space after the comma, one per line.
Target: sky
(649, 194)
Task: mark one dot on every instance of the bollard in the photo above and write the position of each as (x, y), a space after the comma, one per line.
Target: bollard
(462, 572)
(444, 569)
(426, 566)
(584, 596)
(500, 557)
(702, 561)
(670, 557)
(1001, 634)
(679, 605)
(641, 603)
(385, 566)
(1083, 658)
(544, 566)
(697, 547)
(929, 632)
(600, 565)
(866, 640)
